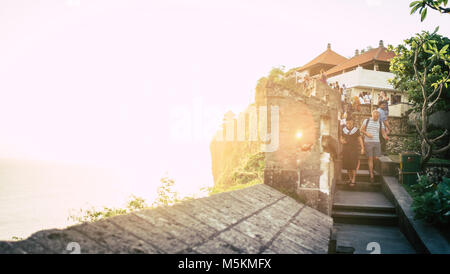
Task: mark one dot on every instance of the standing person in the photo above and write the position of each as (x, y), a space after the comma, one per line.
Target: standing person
(371, 129)
(323, 76)
(356, 104)
(384, 120)
(361, 99)
(383, 98)
(352, 146)
(344, 92)
(367, 98)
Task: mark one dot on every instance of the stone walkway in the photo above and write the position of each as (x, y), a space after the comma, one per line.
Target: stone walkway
(254, 220)
(363, 215)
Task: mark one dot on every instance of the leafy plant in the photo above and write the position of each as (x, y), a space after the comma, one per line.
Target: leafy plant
(423, 5)
(93, 214)
(421, 67)
(166, 196)
(249, 171)
(431, 197)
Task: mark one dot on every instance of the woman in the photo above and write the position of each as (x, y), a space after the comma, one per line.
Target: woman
(352, 146)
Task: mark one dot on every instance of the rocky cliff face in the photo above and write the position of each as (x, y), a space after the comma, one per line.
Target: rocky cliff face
(236, 160)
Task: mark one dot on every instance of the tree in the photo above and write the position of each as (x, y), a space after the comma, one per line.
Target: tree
(422, 6)
(421, 67)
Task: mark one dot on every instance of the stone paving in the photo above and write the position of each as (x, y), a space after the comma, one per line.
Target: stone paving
(255, 220)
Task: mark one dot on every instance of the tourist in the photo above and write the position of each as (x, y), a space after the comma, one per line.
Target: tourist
(352, 146)
(384, 120)
(372, 128)
(367, 98)
(356, 104)
(383, 98)
(344, 92)
(341, 92)
(323, 76)
(342, 117)
(361, 98)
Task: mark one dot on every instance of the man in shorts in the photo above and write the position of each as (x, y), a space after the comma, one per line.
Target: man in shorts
(371, 129)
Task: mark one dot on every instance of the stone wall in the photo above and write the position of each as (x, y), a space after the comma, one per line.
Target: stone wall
(305, 167)
(399, 125)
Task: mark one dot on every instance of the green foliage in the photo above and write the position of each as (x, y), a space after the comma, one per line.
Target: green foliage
(431, 197)
(16, 238)
(423, 5)
(434, 56)
(277, 78)
(166, 197)
(93, 214)
(250, 171)
(166, 194)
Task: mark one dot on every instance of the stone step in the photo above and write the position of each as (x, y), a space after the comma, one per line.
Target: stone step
(363, 166)
(363, 208)
(361, 199)
(390, 238)
(362, 175)
(366, 218)
(360, 186)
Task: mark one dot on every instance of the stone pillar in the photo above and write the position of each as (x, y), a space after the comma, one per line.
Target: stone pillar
(305, 167)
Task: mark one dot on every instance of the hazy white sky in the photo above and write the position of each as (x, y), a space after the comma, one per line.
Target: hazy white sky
(109, 81)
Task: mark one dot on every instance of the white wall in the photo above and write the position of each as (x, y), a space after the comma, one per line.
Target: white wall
(364, 78)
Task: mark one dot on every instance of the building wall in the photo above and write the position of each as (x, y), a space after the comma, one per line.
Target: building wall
(363, 80)
(360, 77)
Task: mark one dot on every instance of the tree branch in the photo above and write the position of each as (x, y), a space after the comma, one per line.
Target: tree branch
(440, 91)
(443, 149)
(416, 53)
(440, 9)
(421, 133)
(439, 137)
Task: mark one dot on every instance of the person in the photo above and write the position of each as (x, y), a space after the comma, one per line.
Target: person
(352, 146)
(356, 104)
(383, 98)
(361, 99)
(384, 120)
(342, 117)
(371, 129)
(336, 85)
(323, 76)
(367, 98)
(344, 92)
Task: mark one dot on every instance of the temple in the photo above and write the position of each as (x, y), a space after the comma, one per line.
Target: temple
(365, 72)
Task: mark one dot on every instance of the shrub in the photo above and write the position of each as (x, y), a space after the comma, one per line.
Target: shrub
(166, 196)
(431, 197)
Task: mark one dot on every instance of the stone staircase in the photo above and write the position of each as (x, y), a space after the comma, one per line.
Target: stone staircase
(363, 214)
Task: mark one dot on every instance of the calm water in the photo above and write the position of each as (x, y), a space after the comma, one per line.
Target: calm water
(40, 195)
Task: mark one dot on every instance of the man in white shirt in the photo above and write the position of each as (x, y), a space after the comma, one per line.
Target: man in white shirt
(371, 129)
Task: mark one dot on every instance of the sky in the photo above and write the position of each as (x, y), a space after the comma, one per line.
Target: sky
(141, 86)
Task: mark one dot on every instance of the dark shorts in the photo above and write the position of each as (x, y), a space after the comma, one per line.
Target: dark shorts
(373, 149)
